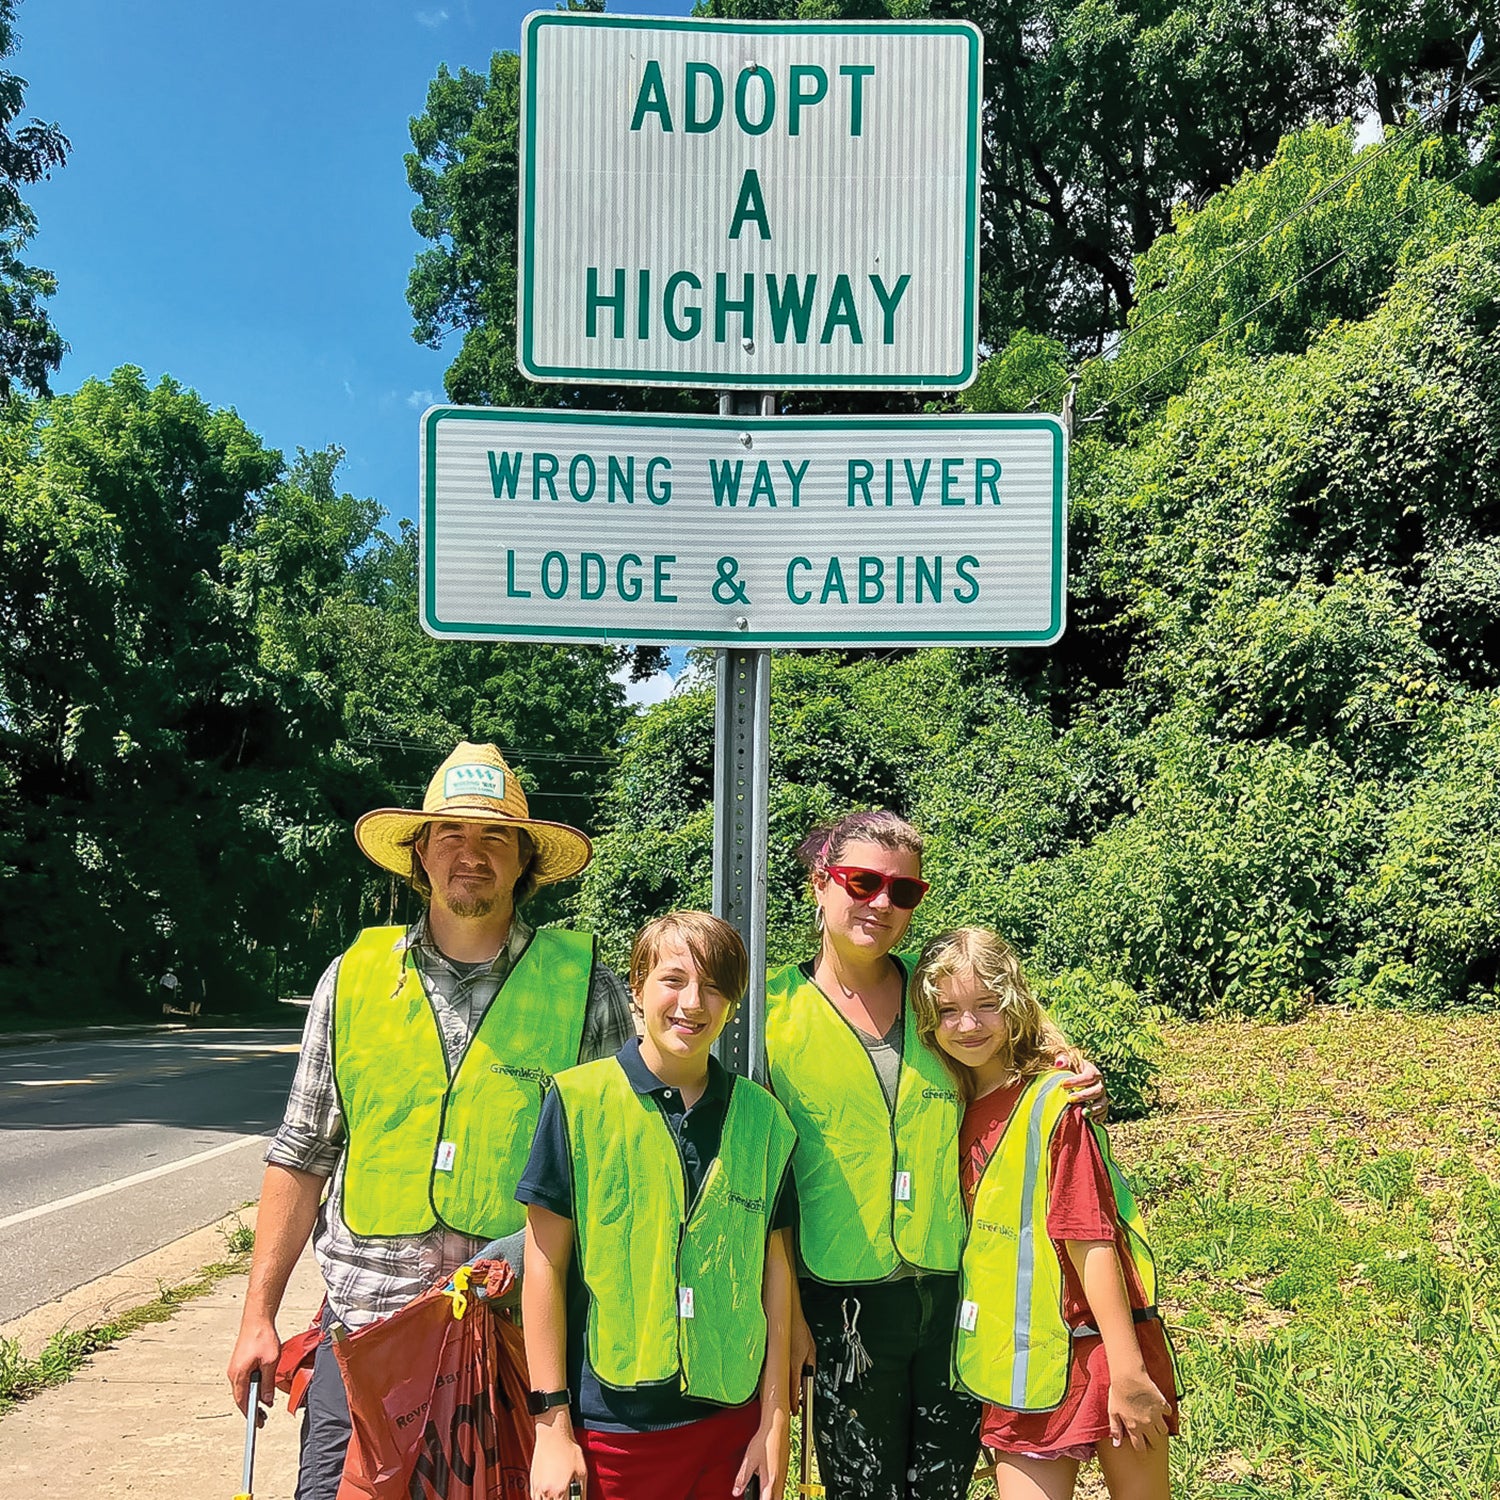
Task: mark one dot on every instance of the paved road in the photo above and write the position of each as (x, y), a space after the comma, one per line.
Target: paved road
(109, 1149)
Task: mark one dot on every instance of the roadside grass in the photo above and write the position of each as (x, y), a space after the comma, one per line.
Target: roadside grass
(1324, 1200)
(67, 1352)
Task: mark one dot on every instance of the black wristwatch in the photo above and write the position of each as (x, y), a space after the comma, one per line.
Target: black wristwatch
(538, 1402)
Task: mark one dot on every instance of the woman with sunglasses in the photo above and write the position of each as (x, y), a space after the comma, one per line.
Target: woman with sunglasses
(880, 1214)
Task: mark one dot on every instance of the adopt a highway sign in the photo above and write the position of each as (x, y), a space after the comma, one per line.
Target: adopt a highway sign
(572, 526)
(740, 204)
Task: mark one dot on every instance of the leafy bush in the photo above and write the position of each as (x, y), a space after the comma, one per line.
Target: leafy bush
(1427, 913)
(1114, 1028)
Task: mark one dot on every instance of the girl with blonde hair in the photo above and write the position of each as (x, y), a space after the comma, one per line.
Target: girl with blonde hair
(1057, 1329)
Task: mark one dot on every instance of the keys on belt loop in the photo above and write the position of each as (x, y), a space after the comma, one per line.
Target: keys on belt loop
(856, 1359)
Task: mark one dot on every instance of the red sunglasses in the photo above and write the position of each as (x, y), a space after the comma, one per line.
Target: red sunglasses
(866, 885)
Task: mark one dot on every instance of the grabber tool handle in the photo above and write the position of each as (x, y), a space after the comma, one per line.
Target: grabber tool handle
(252, 1417)
(805, 1485)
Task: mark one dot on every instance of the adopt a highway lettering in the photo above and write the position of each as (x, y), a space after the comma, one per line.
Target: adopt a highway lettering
(749, 204)
(590, 527)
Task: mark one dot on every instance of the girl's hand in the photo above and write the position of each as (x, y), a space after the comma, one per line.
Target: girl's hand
(557, 1462)
(1085, 1086)
(804, 1357)
(767, 1456)
(1138, 1411)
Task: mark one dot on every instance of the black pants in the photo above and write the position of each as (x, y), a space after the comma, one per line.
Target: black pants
(325, 1429)
(898, 1432)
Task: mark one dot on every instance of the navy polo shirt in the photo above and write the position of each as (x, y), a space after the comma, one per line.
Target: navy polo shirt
(548, 1183)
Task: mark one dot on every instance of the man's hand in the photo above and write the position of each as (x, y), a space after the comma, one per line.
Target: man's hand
(1138, 1411)
(1085, 1087)
(767, 1456)
(257, 1348)
(557, 1463)
(804, 1357)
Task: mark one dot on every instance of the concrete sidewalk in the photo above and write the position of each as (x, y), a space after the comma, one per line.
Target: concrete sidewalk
(153, 1415)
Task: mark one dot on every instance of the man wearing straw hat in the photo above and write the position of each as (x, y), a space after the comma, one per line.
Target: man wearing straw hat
(424, 1061)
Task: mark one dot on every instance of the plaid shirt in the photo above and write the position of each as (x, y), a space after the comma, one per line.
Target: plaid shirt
(370, 1277)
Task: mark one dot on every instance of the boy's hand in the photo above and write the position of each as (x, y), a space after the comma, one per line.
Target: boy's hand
(557, 1463)
(804, 1357)
(1138, 1411)
(767, 1456)
(1085, 1087)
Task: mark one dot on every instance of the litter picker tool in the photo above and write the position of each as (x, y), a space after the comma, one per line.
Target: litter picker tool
(805, 1485)
(252, 1417)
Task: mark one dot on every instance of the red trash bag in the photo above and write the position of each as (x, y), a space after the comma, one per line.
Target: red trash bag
(437, 1402)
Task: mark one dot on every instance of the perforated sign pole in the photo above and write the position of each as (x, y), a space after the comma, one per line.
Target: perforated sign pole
(742, 770)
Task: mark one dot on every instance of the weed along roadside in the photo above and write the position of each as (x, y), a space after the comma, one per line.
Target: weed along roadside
(49, 1345)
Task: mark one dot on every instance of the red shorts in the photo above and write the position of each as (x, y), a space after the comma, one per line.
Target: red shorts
(695, 1462)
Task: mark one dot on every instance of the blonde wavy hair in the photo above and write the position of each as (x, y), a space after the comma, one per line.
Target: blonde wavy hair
(1032, 1042)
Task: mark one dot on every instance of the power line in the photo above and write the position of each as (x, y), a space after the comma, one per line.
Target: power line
(520, 752)
(1423, 119)
(1117, 398)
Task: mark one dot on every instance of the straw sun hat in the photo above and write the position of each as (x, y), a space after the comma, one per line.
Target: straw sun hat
(474, 785)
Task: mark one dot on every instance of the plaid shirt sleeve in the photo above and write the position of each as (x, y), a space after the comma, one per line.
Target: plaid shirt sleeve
(311, 1136)
(607, 1021)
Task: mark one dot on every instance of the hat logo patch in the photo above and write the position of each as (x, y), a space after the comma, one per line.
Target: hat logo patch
(474, 781)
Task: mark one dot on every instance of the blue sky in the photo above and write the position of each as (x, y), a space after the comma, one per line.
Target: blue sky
(235, 210)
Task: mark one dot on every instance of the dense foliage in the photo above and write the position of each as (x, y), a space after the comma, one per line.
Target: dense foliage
(209, 666)
(1263, 767)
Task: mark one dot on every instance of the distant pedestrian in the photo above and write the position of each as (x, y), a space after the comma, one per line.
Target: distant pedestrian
(425, 1058)
(1057, 1328)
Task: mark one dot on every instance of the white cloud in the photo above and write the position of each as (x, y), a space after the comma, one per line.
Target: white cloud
(431, 19)
(421, 400)
(655, 689)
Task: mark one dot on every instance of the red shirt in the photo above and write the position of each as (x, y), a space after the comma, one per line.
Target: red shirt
(1080, 1206)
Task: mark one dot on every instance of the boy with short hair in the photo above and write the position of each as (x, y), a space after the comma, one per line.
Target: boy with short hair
(658, 1271)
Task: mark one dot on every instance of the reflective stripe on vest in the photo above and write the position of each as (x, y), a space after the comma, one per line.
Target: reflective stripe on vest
(1012, 1346)
(873, 1191)
(423, 1149)
(675, 1289)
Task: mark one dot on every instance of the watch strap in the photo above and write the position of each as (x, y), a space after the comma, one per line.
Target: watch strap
(538, 1402)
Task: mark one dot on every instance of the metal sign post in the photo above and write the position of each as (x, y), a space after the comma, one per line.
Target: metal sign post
(742, 773)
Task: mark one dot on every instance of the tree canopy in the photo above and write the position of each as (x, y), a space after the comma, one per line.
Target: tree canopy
(31, 349)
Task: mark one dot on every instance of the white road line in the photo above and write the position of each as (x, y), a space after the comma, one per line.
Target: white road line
(124, 1182)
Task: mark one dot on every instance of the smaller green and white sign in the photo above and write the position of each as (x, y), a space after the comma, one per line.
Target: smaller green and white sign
(738, 204)
(743, 531)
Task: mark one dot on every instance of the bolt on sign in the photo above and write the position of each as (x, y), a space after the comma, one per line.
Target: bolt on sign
(740, 204)
(742, 531)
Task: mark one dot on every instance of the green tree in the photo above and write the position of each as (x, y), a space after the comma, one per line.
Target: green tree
(30, 347)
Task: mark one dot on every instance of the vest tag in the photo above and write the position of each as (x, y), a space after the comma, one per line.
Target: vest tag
(684, 1302)
(446, 1151)
(903, 1187)
(968, 1316)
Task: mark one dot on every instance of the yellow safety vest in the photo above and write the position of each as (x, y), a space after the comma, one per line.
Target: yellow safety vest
(1012, 1346)
(873, 1191)
(425, 1149)
(675, 1287)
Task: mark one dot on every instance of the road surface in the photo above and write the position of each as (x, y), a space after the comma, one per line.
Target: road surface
(111, 1148)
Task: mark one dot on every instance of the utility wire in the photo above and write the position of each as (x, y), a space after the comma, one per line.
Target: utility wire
(1423, 119)
(1119, 397)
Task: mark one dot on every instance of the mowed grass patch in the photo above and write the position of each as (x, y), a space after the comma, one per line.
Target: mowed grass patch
(1323, 1201)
